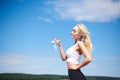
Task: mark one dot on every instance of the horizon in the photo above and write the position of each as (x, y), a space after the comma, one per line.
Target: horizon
(56, 75)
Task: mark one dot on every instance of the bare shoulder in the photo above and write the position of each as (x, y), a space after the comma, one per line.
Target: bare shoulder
(83, 48)
(80, 44)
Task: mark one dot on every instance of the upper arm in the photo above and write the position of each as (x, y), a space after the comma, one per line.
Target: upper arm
(84, 50)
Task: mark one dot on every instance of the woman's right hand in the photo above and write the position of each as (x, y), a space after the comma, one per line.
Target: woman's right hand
(58, 42)
(63, 55)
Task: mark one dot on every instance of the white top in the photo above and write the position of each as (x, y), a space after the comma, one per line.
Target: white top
(72, 56)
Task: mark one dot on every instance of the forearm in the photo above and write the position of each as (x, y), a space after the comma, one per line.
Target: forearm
(85, 62)
(62, 54)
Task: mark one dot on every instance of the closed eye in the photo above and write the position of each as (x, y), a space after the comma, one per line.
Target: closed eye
(73, 31)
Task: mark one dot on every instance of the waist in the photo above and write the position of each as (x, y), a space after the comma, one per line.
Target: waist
(72, 60)
(69, 64)
(74, 70)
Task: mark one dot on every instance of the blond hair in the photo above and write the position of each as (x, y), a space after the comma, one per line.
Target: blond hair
(85, 36)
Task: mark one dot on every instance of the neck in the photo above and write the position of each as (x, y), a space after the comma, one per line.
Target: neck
(76, 40)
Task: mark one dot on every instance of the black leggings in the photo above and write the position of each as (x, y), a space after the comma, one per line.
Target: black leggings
(76, 75)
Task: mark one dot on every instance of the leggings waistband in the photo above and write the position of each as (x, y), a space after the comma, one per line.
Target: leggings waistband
(76, 74)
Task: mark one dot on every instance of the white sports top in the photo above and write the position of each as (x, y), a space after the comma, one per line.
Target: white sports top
(72, 56)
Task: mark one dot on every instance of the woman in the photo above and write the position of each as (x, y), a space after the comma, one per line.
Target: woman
(82, 46)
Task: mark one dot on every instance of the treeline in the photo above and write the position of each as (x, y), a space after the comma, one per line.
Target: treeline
(101, 78)
(19, 76)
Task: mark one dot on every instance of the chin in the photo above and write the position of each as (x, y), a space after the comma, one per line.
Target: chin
(72, 37)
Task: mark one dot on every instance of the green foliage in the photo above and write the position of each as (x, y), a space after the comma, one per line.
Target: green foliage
(19, 76)
(101, 78)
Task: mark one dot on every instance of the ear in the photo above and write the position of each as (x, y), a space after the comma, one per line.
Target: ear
(81, 35)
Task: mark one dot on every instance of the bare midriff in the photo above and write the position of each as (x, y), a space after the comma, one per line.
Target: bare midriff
(69, 64)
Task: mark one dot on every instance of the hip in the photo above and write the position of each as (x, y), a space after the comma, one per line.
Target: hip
(76, 74)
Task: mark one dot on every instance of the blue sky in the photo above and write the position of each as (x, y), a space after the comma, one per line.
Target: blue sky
(27, 28)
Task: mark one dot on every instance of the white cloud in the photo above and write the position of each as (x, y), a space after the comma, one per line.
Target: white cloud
(24, 63)
(88, 10)
(45, 19)
(14, 59)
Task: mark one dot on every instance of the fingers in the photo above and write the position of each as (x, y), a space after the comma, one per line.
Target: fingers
(71, 67)
(58, 41)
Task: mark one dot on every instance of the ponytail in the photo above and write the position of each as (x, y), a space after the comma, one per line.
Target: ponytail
(85, 36)
(87, 42)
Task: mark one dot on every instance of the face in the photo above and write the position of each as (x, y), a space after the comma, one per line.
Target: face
(75, 33)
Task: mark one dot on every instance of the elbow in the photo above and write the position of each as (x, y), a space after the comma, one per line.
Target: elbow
(89, 60)
(63, 59)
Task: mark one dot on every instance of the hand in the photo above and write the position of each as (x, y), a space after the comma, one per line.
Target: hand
(58, 42)
(73, 66)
